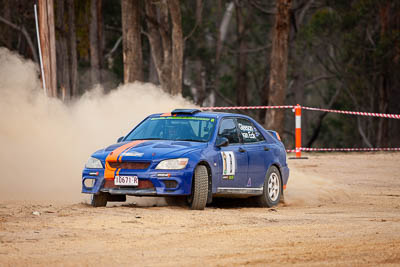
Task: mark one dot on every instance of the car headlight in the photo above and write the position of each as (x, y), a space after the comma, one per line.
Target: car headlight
(93, 163)
(172, 164)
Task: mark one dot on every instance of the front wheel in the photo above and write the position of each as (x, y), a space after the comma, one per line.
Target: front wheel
(198, 198)
(99, 200)
(272, 189)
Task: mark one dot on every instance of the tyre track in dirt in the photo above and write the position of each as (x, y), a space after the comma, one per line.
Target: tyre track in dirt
(341, 209)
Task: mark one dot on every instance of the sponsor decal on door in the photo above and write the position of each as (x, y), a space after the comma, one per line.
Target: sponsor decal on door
(228, 165)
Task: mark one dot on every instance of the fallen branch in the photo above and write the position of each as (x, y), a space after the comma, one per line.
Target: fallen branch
(109, 54)
(26, 35)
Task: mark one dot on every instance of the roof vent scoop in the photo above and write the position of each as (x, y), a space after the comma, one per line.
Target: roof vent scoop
(185, 111)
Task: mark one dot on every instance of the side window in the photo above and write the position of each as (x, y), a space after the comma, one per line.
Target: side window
(228, 129)
(249, 132)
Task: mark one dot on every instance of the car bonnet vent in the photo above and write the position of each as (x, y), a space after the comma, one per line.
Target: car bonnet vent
(185, 111)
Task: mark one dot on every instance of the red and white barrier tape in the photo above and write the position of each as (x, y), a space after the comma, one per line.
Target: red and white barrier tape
(308, 149)
(370, 114)
(248, 107)
(298, 125)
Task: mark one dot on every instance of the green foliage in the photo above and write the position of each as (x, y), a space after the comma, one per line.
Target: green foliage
(357, 41)
(323, 22)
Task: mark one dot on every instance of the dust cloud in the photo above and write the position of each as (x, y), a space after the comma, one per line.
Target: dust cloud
(310, 189)
(45, 143)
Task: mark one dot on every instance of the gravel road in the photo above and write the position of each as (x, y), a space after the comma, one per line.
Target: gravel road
(340, 209)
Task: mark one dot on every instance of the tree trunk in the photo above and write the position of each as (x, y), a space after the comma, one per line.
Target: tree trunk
(223, 29)
(241, 76)
(199, 11)
(73, 59)
(166, 50)
(222, 33)
(153, 75)
(132, 43)
(383, 81)
(274, 118)
(62, 52)
(264, 95)
(52, 38)
(200, 82)
(100, 33)
(47, 42)
(383, 107)
(160, 42)
(6, 33)
(94, 43)
(164, 31)
(154, 37)
(177, 47)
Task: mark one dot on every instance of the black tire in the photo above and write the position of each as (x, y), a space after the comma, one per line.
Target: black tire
(99, 200)
(272, 189)
(198, 198)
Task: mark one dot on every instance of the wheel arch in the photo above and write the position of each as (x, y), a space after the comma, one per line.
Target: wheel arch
(278, 167)
(209, 171)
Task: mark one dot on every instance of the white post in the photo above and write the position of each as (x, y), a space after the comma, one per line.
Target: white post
(40, 52)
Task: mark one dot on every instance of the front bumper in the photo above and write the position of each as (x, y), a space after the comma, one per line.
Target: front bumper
(130, 192)
(93, 182)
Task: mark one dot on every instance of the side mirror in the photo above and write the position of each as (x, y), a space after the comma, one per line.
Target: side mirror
(120, 139)
(222, 141)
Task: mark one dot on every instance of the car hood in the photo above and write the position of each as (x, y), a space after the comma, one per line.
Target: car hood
(151, 150)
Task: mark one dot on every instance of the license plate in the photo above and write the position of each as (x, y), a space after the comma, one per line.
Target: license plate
(126, 180)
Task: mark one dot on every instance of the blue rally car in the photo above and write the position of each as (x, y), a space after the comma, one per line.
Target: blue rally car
(199, 155)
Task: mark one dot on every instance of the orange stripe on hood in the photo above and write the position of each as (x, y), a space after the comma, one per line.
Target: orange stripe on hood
(113, 157)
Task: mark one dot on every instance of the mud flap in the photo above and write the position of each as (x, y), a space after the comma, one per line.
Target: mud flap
(209, 196)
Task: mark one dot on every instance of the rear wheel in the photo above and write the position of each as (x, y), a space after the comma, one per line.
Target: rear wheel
(198, 198)
(272, 189)
(99, 200)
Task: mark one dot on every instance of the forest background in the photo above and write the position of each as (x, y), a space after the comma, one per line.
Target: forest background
(320, 53)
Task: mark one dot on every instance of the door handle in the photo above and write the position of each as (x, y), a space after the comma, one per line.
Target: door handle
(241, 150)
(266, 148)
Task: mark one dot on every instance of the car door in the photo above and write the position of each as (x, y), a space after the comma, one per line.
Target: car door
(257, 152)
(233, 159)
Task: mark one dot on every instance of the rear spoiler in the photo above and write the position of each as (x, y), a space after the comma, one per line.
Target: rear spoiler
(185, 111)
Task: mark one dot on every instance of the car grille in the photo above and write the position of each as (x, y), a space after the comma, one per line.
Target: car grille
(129, 165)
(170, 183)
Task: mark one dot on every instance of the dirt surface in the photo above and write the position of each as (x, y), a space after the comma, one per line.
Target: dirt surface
(341, 209)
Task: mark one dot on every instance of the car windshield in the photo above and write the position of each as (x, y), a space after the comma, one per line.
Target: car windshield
(177, 128)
